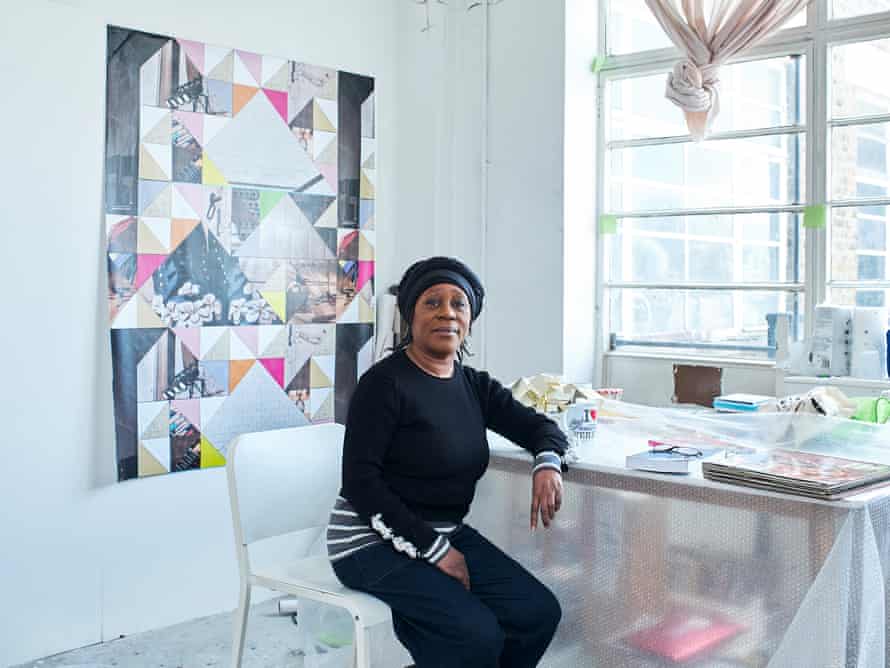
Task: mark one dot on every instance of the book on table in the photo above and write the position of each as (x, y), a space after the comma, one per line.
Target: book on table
(741, 402)
(795, 472)
(684, 634)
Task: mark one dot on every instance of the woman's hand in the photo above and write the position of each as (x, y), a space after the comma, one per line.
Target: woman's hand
(546, 496)
(453, 564)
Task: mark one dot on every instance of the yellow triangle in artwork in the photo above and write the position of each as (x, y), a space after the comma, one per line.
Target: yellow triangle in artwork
(210, 456)
(320, 120)
(366, 189)
(277, 301)
(149, 167)
(365, 312)
(146, 316)
(148, 464)
(210, 174)
(365, 248)
(317, 377)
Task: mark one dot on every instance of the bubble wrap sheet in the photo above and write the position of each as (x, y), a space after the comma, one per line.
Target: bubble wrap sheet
(648, 566)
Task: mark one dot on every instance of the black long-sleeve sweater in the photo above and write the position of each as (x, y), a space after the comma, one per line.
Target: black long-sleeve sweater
(416, 446)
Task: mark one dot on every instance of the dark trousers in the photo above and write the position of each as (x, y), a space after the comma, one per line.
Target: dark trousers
(506, 620)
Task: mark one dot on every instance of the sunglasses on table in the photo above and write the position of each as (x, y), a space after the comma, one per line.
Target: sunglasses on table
(682, 450)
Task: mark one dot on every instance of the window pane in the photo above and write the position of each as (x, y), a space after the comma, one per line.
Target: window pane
(690, 317)
(857, 87)
(750, 248)
(856, 233)
(632, 27)
(845, 8)
(756, 94)
(853, 297)
(728, 172)
(859, 161)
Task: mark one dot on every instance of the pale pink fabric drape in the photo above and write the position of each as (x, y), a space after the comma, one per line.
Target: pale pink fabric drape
(732, 27)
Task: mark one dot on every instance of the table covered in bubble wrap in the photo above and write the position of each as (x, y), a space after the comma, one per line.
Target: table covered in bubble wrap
(650, 566)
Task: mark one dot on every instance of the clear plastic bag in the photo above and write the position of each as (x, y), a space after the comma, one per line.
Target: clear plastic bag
(325, 635)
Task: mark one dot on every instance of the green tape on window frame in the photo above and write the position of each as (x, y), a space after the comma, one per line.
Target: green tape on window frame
(608, 224)
(814, 216)
(598, 64)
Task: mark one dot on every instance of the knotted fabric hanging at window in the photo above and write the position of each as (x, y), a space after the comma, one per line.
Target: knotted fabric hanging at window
(733, 27)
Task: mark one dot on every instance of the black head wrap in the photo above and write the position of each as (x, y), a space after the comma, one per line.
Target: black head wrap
(426, 273)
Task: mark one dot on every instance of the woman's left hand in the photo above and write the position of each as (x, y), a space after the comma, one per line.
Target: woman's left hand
(546, 496)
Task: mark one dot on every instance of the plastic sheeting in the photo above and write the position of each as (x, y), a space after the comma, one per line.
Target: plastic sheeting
(649, 566)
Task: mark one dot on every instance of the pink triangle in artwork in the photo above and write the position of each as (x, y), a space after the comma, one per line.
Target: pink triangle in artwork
(190, 408)
(254, 64)
(195, 52)
(193, 193)
(193, 122)
(145, 267)
(191, 338)
(275, 367)
(329, 172)
(365, 272)
(250, 336)
(279, 101)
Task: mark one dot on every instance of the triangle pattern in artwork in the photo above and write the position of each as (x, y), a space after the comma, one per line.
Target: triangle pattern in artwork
(179, 230)
(278, 99)
(217, 349)
(365, 312)
(209, 408)
(319, 374)
(155, 124)
(220, 63)
(275, 73)
(193, 122)
(277, 299)
(146, 266)
(146, 316)
(210, 456)
(273, 341)
(210, 175)
(238, 350)
(248, 68)
(147, 464)
(190, 338)
(241, 95)
(149, 167)
(268, 201)
(275, 367)
(320, 121)
(250, 336)
(237, 370)
(194, 51)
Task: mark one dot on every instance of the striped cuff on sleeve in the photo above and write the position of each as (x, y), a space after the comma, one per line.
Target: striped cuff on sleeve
(547, 460)
(437, 550)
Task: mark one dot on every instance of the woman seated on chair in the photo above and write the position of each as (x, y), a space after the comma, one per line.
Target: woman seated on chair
(415, 447)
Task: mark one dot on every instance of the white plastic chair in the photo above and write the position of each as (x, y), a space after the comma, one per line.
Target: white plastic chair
(283, 484)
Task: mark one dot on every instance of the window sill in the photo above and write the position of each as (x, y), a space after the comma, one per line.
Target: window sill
(702, 360)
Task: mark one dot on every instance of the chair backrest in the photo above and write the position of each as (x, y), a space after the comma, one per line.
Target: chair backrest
(284, 480)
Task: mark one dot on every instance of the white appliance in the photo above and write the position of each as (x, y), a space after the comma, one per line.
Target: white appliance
(869, 343)
(829, 350)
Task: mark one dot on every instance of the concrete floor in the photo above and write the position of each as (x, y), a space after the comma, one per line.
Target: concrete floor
(272, 641)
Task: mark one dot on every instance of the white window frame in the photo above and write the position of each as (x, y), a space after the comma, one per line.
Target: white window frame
(812, 41)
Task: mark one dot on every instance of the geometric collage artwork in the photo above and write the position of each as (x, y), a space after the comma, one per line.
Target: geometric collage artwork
(239, 214)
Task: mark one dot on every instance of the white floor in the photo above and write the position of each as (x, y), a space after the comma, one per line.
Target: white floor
(272, 641)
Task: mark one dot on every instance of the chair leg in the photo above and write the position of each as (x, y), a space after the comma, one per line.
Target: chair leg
(240, 625)
(362, 651)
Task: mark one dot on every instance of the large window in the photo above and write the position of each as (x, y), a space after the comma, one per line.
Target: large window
(711, 248)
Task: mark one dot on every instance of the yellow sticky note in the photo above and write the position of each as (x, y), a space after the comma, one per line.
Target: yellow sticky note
(598, 64)
(814, 216)
(608, 224)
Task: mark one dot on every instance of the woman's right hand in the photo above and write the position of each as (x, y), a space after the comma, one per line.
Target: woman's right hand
(453, 564)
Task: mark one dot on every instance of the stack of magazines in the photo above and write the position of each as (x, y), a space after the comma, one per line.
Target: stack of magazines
(794, 472)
